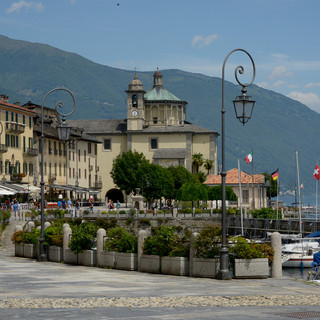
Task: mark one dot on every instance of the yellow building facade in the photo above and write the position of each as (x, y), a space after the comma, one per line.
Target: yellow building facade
(155, 126)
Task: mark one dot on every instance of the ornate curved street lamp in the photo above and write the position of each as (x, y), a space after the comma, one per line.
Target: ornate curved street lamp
(243, 106)
(64, 133)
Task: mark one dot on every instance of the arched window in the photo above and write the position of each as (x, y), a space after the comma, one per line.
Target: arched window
(134, 101)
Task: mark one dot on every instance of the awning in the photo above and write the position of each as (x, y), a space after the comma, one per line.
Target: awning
(6, 192)
(76, 189)
(25, 188)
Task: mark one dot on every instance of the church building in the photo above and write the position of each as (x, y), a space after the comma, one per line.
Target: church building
(155, 126)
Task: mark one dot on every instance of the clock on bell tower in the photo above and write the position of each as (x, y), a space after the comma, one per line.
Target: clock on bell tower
(135, 104)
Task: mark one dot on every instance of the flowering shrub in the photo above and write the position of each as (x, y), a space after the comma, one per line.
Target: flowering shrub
(240, 248)
(207, 244)
(53, 236)
(18, 237)
(166, 242)
(83, 237)
(120, 240)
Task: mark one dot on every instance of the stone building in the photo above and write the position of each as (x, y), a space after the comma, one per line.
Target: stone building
(254, 194)
(155, 126)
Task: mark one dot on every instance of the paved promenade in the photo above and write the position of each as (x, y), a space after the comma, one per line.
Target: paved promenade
(45, 290)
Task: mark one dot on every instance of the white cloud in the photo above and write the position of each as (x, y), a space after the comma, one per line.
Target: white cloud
(278, 84)
(280, 71)
(263, 85)
(310, 99)
(280, 56)
(312, 84)
(17, 6)
(201, 41)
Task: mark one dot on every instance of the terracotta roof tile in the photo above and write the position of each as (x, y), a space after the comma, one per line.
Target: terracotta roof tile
(233, 178)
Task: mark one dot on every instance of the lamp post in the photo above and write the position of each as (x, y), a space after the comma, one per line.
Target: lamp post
(63, 132)
(243, 106)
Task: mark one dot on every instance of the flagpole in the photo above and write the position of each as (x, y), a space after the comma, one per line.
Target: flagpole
(277, 198)
(316, 200)
(299, 194)
(253, 202)
(240, 195)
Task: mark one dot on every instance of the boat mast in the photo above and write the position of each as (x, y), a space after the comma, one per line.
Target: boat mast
(298, 177)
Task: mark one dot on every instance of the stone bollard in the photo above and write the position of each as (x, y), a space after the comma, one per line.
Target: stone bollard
(65, 225)
(47, 224)
(101, 234)
(18, 228)
(67, 232)
(142, 235)
(276, 268)
(29, 226)
(192, 252)
(174, 212)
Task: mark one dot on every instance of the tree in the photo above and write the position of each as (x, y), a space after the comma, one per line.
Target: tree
(124, 170)
(191, 191)
(180, 176)
(197, 160)
(215, 193)
(208, 165)
(272, 189)
(155, 182)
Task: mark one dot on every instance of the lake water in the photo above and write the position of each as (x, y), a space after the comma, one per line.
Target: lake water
(289, 200)
(296, 273)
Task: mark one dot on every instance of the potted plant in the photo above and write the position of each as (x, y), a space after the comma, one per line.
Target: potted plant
(121, 247)
(250, 259)
(31, 239)
(165, 252)
(18, 239)
(206, 262)
(81, 245)
(53, 238)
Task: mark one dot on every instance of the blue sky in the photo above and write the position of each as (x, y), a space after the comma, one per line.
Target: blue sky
(282, 36)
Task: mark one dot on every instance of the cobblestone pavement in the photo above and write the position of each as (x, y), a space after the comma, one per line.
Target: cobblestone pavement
(44, 290)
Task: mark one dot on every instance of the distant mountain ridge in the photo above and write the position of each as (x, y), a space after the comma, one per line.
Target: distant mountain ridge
(279, 125)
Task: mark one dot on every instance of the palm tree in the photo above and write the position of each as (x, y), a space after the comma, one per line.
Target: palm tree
(208, 165)
(197, 160)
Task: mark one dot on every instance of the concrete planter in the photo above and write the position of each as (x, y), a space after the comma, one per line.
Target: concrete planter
(70, 257)
(150, 263)
(107, 259)
(251, 268)
(29, 251)
(178, 266)
(205, 268)
(55, 254)
(18, 249)
(87, 258)
(126, 261)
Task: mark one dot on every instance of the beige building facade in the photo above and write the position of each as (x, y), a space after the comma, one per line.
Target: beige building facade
(253, 188)
(155, 126)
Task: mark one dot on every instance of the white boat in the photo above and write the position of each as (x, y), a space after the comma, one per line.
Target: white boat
(299, 252)
(297, 260)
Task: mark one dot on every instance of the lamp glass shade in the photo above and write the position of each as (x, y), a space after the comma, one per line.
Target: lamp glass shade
(63, 131)
(243, 107)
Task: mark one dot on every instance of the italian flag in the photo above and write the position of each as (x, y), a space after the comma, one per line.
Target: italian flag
(248, 158)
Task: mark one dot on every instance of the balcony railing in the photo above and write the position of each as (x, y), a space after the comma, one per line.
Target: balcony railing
(90, 168)
(98, 185)
(31, 152)
(15, 127)
(3, 148)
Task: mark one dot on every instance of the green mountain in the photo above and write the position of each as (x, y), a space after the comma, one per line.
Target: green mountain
(278, 128)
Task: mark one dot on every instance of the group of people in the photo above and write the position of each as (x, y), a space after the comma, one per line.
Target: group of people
(112, 206)
(67, 204)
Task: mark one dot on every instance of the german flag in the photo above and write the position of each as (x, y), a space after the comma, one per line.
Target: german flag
(275, 174)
